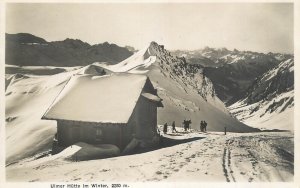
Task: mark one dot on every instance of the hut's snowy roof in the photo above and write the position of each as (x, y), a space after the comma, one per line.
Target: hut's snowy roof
(102, 99)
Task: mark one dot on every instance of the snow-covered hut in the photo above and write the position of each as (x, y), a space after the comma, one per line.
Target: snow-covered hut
(109, 109)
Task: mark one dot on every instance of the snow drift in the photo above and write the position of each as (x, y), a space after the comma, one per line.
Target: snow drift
(90, 152)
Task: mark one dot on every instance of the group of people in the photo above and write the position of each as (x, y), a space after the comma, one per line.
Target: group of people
(186, 126)
(165, 129)
(203, 126)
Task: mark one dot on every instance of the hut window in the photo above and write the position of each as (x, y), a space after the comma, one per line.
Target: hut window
(98, 133)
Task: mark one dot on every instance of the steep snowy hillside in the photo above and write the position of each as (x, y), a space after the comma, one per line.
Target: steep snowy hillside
(27, 97)
(269, 102)
(186, 92)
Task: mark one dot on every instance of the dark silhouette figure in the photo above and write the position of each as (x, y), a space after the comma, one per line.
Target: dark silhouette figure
(205, 125)
(201, 126)
(173, 127)
(186, 124)
(165, 130)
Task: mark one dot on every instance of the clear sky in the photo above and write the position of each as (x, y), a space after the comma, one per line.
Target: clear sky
(262, 27)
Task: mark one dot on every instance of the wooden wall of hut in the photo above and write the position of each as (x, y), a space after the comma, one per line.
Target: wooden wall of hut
(71, 132)
(145, 118)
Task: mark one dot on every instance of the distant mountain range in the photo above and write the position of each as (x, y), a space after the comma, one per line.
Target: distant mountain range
(25, 49)
(232, 72)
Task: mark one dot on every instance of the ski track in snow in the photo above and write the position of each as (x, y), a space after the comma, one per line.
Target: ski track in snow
(236, 157)
(226, 163)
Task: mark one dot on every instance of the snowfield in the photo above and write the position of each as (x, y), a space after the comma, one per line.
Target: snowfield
(196, 157)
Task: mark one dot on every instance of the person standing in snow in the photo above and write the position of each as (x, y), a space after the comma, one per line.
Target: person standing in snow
(201, 126)
(173, 127)
(189, 122)
(205, 125)
(184, 125)
(165, 130)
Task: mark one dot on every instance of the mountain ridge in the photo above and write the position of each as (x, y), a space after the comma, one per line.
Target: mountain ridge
(269, 99)
(232, 72)
(24, 49)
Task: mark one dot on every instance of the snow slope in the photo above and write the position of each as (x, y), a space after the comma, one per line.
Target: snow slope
(141, 59)
(27, 97)
(269, 102)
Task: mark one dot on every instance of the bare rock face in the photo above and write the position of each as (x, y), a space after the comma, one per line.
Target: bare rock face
(179, 70)
(278, 80)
